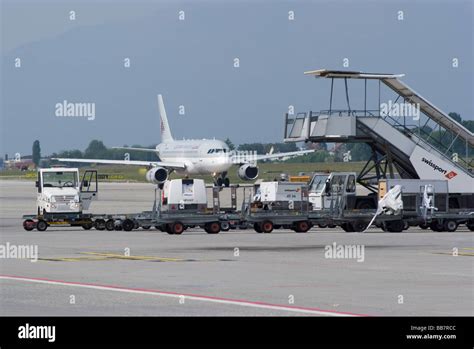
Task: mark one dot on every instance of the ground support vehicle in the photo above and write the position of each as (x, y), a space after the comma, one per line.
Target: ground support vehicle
(181, 204)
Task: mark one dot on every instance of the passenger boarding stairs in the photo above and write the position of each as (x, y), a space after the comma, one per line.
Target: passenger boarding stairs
(430, 145)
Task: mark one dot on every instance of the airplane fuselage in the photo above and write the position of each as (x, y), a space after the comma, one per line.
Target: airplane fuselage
(200, 156)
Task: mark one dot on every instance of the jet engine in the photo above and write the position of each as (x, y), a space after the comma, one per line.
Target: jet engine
(157, 175)
(248, 172)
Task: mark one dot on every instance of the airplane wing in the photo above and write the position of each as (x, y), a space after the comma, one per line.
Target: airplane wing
(251, 158)
(173, 165)
(136, 149)
(282, 155)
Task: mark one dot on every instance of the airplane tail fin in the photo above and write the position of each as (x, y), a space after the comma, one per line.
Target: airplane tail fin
(165, 127)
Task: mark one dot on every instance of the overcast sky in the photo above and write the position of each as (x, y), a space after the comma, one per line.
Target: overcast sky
(191, 62)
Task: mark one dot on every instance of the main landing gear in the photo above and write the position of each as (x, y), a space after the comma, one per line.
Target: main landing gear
(221, 180)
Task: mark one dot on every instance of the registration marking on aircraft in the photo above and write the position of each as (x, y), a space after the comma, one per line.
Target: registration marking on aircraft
(187, 296)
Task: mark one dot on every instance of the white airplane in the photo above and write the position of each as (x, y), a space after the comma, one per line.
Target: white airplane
(191, 157)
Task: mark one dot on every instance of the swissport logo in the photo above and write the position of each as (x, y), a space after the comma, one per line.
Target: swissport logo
(451, 175)
(448, 175)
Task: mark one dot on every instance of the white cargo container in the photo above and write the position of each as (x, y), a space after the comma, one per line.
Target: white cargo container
(184, 193)
(270, 192)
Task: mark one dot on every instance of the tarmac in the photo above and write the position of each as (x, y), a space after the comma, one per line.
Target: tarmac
(234, 273)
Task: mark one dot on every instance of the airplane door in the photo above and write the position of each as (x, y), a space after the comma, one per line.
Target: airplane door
(89, 188)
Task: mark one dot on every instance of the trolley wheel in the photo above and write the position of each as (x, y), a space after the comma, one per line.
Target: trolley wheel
(128, 224)
(146, 227)
(470, 225)
(225, 226)
(257, 228)
(29, 224)
(302, 226)
(424, 226)
(347, 227)
(110, 225)
(322, 225)
(358, 226)
(212, 228)
(99, 224)
(41, 225)
(266, 227)
(118, 225)
(395, 226)
(175, 228)
(87, 226)
(436, 226)
(450, 225)
(166, 228)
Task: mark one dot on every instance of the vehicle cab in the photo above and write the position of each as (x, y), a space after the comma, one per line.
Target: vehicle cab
(61, 191)
(325, 188)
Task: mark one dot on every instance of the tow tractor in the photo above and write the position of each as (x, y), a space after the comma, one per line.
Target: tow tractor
(62, 198)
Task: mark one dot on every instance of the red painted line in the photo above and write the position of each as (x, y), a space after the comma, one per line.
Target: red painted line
(203, 297)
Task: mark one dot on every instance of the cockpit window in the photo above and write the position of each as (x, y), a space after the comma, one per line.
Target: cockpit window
(212, 151)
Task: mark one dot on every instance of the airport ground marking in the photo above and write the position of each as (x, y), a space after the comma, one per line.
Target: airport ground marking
(146, 258)
(203, 298)
(74, 259)
(460, 253)
(463, 254)
(109, 255)
(98, 256)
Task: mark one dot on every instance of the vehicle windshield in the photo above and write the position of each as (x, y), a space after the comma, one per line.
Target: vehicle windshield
(59, 179)
(318, 183)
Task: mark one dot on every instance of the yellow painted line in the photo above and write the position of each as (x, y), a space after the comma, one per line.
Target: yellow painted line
(467, 248)
(73, 259)
(146, 258)
(98, 256)
(466, 254)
